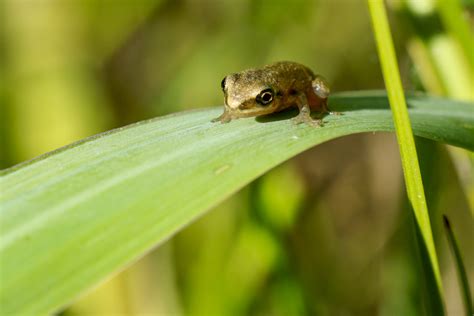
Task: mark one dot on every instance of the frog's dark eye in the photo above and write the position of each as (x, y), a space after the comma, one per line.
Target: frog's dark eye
(223, 83)
(265, 97)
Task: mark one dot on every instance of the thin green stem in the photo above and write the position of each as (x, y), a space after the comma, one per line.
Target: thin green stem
(409, 158)
(466, 294)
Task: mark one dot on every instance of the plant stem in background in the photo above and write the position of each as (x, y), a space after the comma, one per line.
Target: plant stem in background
(406, 143)
(464, 283)
(441, 46)
(456, 23)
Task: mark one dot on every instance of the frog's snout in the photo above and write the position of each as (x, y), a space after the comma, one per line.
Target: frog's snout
(229, 104)
(232, 105)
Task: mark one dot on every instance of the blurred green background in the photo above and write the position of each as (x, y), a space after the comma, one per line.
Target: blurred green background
(327, 233)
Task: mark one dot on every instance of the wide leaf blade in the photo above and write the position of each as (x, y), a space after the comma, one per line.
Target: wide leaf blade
(74, 216)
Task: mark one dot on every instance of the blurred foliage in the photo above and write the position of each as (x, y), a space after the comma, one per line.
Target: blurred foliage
(325, 233)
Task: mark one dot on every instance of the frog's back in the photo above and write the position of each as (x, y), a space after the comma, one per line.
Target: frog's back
(289, 74)
(290, 69)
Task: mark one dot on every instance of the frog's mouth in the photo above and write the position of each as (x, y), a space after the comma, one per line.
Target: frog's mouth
(254, 111)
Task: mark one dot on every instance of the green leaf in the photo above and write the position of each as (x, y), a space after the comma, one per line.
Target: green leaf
(408, 154)
(72, 217)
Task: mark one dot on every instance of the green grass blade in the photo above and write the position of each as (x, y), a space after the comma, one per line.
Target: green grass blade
(463, 279)
(73, 217)
(406, 141)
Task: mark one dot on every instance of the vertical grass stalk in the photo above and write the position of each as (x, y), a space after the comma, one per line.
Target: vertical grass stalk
(406, 142)
(463, 280)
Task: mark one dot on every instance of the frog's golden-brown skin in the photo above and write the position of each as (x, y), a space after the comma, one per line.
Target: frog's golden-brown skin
(273, 88)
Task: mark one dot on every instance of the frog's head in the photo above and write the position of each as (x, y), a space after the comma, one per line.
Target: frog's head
(249, 94)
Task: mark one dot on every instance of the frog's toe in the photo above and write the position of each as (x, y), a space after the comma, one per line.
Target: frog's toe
(297, 120)
(315, 123)
(224, 118)
(300, 119)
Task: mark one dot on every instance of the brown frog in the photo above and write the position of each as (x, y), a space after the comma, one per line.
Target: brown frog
(273, 88)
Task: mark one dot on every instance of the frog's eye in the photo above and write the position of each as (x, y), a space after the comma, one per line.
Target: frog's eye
(265, 97)
(223, 83)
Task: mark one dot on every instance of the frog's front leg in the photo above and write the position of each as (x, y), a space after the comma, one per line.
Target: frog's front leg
(225, 117)
(305, 113)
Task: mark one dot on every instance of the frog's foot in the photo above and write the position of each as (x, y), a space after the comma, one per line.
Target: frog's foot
(224, 118)
(334, 113)
(305, 118)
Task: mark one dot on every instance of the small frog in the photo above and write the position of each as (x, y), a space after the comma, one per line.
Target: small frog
(273, 88)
